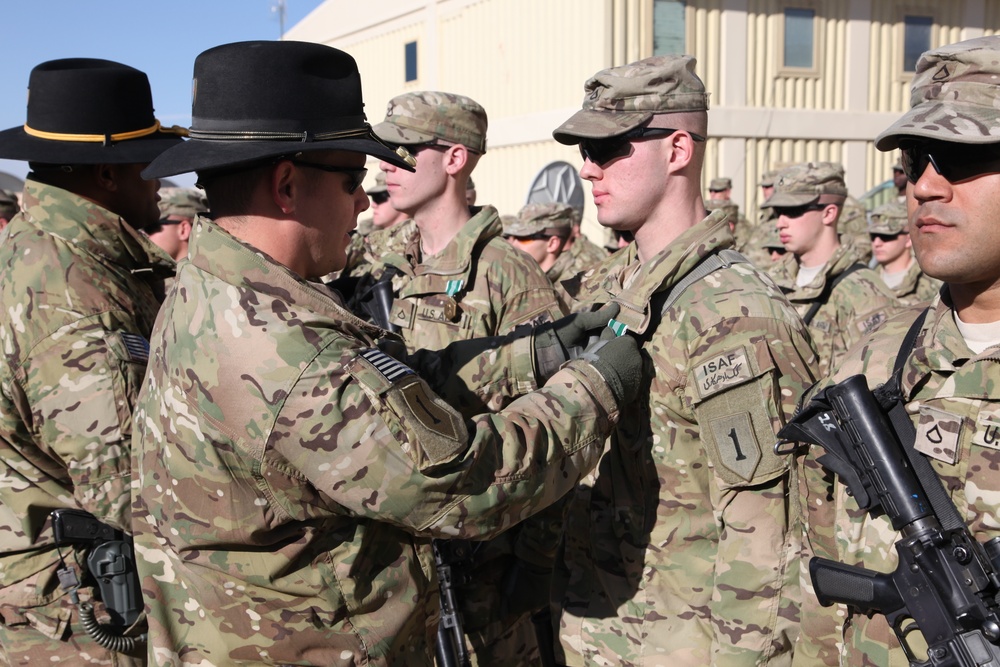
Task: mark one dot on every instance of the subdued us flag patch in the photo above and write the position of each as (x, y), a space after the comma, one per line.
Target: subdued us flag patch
(136, 346)
(390, 368)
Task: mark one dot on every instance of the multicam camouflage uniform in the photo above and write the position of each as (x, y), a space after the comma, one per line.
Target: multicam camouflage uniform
(480, 286)
(328, 462)
(951, 395)
(951, 391)
(79, 290)
(917, 287)
(585, 255)
(477, 286)
(858, 304)
(552, 218)
(682, 552)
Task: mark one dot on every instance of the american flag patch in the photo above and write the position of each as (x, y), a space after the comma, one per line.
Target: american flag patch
(136, 346)
(390, 369)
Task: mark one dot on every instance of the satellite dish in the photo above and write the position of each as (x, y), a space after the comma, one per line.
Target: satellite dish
(10, 182)
(557, 182)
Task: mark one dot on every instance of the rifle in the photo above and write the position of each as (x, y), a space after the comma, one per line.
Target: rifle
(946, 584)
(450, 649)
(111, 561)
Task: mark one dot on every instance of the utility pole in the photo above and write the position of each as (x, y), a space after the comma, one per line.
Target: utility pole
(278, 7)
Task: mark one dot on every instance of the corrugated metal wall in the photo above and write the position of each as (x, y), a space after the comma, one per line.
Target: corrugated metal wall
(524, 57)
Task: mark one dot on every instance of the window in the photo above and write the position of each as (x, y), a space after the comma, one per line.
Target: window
(916, 39)
(410, 55)
(668, 27)
(799, 38)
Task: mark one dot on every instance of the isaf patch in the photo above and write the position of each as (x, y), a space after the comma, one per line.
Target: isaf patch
(737, 444)
(722, 371)
(938, 434)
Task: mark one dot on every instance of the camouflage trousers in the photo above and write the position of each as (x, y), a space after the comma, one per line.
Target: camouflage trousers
(496, 637)
(504, 644)
(51, 634)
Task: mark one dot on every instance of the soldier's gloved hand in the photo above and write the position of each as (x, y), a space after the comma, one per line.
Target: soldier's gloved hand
(574, 330)
(618, 360)
(564, 339)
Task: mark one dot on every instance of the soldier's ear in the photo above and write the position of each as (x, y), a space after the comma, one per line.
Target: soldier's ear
(283, 186)
(455, 159)
(106, 177)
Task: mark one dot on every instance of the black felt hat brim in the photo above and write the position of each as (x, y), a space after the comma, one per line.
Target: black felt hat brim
(16, 144)
(204, 155)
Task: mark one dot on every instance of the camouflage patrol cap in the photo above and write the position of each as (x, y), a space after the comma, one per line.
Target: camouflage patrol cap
(768, 179)
(890, 218)
(550, 217)
(422, 117)
(727, 205)
(379, 184)
(804, 183)
(620, 99)
(720, 184)
(772, 240)
(955, 96)
(182, 202)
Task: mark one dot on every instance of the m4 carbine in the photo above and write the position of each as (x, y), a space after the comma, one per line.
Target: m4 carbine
(946, 584)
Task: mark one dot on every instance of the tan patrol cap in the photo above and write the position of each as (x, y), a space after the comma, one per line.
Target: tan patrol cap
(379, 184)
(802, 184)
(728, 205)
(890, 218)
(772, 240)
(182, 202)
(623, 98)
(420, 118)
(768, 179)
(552, 218)
(720, 184)
(955, 96)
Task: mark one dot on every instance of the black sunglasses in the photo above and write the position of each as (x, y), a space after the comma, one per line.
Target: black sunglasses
(798, 211)
(355, 175)
(379, 197)
(955, 162)
(603, 151)
(157, 226)
(884, 238)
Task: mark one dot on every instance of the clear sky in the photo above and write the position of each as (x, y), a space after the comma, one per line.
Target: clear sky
(160, 38)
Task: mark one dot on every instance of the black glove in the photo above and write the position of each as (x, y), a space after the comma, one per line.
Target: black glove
(564, 339)
(618, 360)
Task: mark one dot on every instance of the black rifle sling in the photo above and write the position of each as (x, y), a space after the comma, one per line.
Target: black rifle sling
(824, 296)
(937, 495)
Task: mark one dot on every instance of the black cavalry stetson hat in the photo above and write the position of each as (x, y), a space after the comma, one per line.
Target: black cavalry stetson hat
(257, 100)
(88, 111)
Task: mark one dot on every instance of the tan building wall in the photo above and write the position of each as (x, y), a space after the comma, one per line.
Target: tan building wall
(526, 61)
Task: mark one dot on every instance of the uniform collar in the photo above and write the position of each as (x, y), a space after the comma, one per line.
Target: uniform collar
(633, 284)
(94, 229)
(216, 252)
